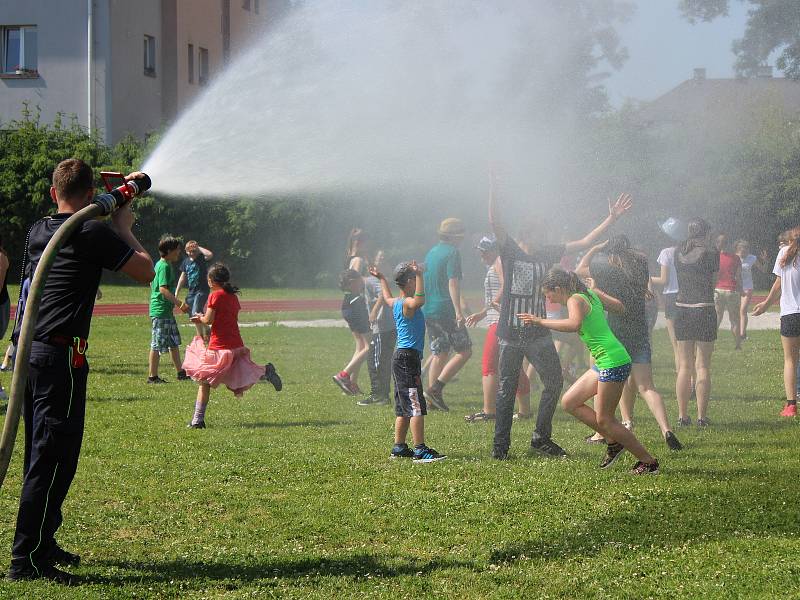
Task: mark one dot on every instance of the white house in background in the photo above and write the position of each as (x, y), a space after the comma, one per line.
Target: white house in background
(119, 66)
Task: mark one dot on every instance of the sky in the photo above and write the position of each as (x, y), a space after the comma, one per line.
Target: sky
(664, 49)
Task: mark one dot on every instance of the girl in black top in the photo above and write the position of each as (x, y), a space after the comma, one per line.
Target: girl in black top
(623, 274)
(696, 264)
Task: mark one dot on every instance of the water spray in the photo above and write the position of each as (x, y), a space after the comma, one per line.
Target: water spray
(103, 205)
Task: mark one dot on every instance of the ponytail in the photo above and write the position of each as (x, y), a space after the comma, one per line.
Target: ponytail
(220, 275)
(567, 281)
(631, 262)
(794, 247)
(698, 230)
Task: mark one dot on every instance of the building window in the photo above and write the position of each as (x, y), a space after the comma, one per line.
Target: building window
(246, 4)
(191, 63)
(150, 55)
(18, 50)
(203, 78)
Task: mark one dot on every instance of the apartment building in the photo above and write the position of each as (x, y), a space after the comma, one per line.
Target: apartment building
(119, 66)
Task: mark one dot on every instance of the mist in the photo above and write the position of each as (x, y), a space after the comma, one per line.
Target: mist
(390, 98)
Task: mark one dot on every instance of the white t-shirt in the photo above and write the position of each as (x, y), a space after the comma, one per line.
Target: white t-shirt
(790, 283)
(667, 259)
(747, 272)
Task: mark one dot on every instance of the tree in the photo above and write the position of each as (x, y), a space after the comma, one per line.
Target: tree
(772, 25)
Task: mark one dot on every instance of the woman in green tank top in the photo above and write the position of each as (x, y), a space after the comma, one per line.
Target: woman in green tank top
(612, 366)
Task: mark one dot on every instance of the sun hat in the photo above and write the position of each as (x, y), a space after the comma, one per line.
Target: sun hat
(452, 226)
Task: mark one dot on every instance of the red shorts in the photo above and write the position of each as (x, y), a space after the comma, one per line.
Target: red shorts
(491, 352)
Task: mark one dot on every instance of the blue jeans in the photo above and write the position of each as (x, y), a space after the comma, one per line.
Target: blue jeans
(541, 353)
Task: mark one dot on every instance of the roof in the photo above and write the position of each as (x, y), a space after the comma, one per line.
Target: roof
(717, 102)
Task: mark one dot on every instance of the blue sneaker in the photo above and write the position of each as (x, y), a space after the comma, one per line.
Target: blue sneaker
(423, 454)
(401, 451)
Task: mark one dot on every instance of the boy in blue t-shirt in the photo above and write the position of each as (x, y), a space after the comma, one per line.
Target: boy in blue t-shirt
(194, 275)
(409, 401)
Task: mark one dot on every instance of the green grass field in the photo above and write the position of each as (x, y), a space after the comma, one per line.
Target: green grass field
(292, 494)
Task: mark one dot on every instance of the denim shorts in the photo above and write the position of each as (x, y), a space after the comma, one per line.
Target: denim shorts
(614, 374)
(197, 302)
(640, 353)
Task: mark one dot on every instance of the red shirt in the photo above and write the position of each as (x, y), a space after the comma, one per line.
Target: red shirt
(225, 328)
(728, 265)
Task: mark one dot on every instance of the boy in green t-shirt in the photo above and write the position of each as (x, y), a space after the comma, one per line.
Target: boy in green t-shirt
(166, 337)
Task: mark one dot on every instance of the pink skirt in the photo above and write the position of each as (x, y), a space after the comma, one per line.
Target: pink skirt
(234, 367)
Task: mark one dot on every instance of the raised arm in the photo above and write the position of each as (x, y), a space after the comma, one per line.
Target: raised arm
(387, 293)
(494, 217)
(376, 308)
(207, 254)
(411, 305)
(615, 211)
(583, 269)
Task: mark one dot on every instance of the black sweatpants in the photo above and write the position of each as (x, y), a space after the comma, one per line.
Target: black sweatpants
(379, 363)
(54, 413)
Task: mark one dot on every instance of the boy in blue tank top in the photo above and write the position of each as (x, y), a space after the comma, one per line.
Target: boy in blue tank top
(409, 401)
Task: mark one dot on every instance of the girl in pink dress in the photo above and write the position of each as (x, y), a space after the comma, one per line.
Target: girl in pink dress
(226, 360)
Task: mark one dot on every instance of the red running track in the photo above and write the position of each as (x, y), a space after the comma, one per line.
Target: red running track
(299, 304)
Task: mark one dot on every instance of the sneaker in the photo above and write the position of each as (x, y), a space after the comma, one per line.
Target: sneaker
(155, 379)
(436, 400)
(354, 387)
(342, 379)
(703, 423)
(271, 375)
(62, 557)
(4, 368)
(641, 468)
(370, 400)
(613, 452)
(182, 376)
(479, 416)
(520, 416)
(548, 448)
(198, 425)
(790, 410)
(590, 439)
(684, 422)
(401, 451)
(423, 454)
(628, 425)
(48, 572)
(672, 441)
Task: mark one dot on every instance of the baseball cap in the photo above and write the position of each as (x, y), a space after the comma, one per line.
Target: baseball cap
(403, 272)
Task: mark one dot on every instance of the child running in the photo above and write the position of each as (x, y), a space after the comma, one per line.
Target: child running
(356, 315)
(409, 401)
(227, 359)
(612, 366)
